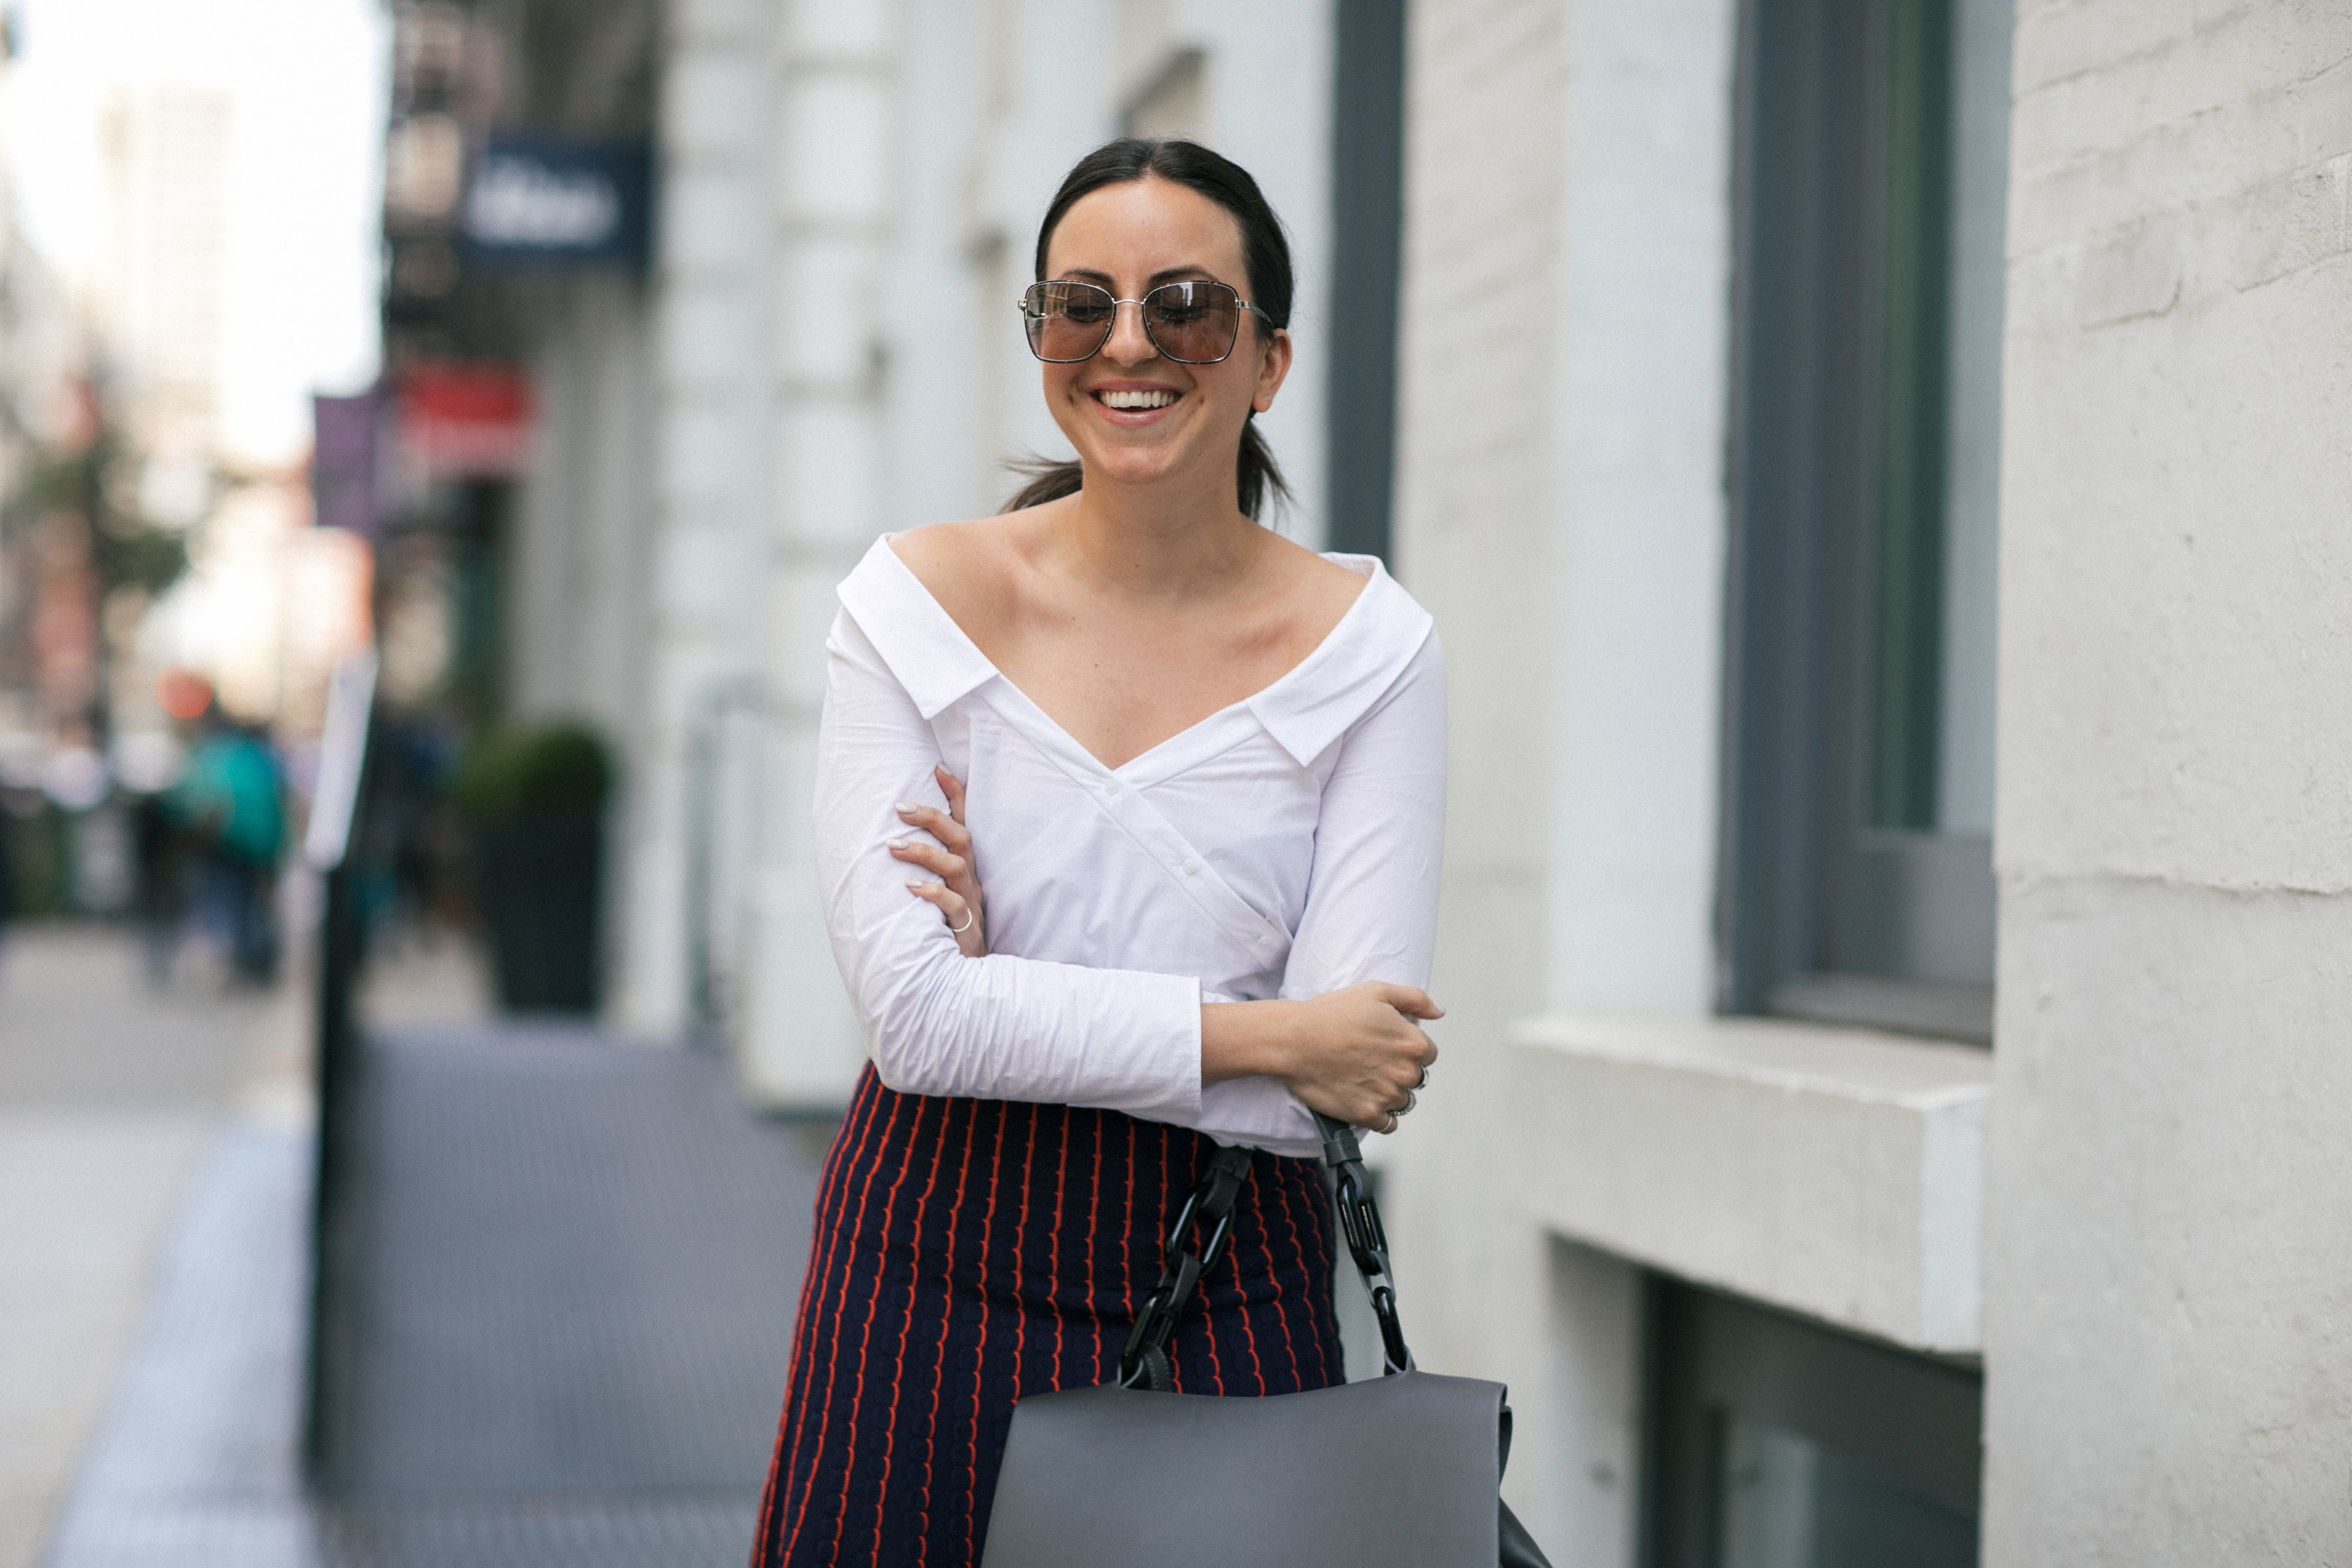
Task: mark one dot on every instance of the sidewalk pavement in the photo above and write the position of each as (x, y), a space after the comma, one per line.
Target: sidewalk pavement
(110, 1093)
(563, 1307)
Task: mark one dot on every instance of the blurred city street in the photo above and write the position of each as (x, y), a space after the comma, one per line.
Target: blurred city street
(1856, 456)
(111, 1094)
(559, 1308)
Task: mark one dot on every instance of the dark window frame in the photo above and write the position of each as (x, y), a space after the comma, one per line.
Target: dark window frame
(1367, 247)
(1833, 902)
(1915, 1419)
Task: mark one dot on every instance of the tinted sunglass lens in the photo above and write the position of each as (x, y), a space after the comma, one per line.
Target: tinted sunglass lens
(1066, 321)
(1193, 322)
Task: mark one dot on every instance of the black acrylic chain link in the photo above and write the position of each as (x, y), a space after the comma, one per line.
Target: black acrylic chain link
(1209, 1204)
(1368, 1244)
(1209, 1207)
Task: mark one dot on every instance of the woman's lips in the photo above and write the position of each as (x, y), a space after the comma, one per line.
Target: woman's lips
(1135, 405)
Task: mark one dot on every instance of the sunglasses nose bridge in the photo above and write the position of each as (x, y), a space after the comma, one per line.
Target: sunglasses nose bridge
(1129, 339)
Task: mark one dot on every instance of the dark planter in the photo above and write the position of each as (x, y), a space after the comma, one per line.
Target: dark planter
(541, 883)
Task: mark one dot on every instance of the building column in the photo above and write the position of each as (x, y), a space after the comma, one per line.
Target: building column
(712, 479)
(2168, 1292)
(835, 85)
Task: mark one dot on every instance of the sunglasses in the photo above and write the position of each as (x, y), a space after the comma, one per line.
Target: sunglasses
(1191, 324)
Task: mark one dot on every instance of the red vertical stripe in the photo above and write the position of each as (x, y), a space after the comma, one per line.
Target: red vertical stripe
(1274, 1272)
(1021, 1260)
(823, 1235)
(1253, 1196)
(979, 1359)
(899, 1361)
(874, 1301)
(1053, 1265)
(947, 1318)
(1094, 1224)
(827, 1264)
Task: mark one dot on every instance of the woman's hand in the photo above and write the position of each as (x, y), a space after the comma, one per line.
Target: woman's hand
(956, 893)
(1354, 1054)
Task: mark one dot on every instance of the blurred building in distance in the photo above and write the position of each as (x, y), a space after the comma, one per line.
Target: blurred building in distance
(114, 479)
(1895, 915)
(161, 298)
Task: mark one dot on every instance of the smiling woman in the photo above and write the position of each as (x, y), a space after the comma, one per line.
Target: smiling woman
(1222, 186)
(1199, 770)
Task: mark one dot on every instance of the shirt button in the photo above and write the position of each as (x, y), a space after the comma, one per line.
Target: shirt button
(1111, 787)
(1191, 867)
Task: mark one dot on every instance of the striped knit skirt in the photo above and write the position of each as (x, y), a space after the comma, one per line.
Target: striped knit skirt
(970, 1252)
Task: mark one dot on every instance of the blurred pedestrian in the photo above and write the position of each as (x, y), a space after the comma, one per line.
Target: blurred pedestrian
(160, 851)
(232, 799)
(1205, 766)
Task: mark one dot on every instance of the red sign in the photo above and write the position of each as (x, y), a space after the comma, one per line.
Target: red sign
(465, 421)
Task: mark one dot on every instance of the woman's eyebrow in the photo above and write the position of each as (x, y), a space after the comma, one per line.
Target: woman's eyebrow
(1165, 275)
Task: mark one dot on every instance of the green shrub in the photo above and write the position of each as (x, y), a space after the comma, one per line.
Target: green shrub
(555, 771)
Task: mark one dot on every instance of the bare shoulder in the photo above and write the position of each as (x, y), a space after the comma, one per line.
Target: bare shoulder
(970, 567)
(1314, 593)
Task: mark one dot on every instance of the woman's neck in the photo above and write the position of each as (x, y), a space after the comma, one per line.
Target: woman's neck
(1175, 539)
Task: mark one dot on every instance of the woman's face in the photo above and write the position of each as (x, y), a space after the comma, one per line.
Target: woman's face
(1129, 238)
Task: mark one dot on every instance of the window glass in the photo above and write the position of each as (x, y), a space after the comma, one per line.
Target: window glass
(1787, 1502)
(1858, 794)
(1776, 1442)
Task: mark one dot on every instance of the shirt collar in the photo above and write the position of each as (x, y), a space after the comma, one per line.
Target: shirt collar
(926, 650)
(1305, 711)
(1353, 668)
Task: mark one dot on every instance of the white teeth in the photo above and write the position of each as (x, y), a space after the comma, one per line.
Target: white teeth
(1160, 398)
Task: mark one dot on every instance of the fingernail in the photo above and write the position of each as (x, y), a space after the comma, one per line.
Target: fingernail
(906, 808)
(902, 844)
(917, 886)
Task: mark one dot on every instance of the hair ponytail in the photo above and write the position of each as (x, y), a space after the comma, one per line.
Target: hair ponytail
(1257, 478)
(1258, 483)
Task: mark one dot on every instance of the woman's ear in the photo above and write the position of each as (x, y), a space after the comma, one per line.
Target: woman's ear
(1273, 367)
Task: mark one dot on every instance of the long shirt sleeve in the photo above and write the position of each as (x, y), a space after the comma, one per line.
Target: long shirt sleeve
(998, 1027)
(1371, 905)
(1286, 847)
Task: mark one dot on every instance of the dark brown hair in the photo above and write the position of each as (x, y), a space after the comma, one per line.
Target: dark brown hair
(1265, 253)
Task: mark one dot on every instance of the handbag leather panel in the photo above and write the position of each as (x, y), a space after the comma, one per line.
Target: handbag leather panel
(1399, 1470)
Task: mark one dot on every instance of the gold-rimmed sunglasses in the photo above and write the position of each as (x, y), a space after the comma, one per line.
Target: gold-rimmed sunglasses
(1190, 322)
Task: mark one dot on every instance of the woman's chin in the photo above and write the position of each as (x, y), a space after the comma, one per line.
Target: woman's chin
(1139, 470)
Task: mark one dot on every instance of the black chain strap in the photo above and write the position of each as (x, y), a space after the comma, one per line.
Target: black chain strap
(1368, 1244)
(1210, 1204)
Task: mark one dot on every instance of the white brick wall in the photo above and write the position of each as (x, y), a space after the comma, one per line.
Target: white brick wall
(2169, 1330)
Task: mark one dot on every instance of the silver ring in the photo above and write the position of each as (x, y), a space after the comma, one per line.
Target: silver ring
(969, 916)
(1411, 1100)
(1423, 1082)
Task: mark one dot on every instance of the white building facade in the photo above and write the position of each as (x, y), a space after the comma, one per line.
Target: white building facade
(1871, 467)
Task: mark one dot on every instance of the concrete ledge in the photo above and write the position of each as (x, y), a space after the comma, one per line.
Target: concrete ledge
(1838, 1172)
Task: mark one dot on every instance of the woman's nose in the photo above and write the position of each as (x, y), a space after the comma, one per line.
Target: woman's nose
(1129, 344)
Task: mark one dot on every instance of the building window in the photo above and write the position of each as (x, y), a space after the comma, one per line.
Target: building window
(1367, 232)
(1872, 164)
(1776, 1444)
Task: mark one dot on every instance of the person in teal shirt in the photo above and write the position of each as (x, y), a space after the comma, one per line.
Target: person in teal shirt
(230, 797)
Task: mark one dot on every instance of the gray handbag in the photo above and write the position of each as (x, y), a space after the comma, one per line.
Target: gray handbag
(1400, 1472)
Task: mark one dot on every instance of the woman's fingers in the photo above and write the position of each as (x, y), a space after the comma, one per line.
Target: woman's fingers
(947, 829)
(949, 865)
(1410, 1000)
(962, 920)
(957, 892)
(948, 901)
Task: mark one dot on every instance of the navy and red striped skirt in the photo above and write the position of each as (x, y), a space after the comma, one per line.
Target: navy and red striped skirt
(970, 1252)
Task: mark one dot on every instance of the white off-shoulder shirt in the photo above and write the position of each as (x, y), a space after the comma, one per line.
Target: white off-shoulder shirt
(1287, 845)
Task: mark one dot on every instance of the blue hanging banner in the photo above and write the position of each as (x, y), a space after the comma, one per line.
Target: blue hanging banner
(535, 201)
